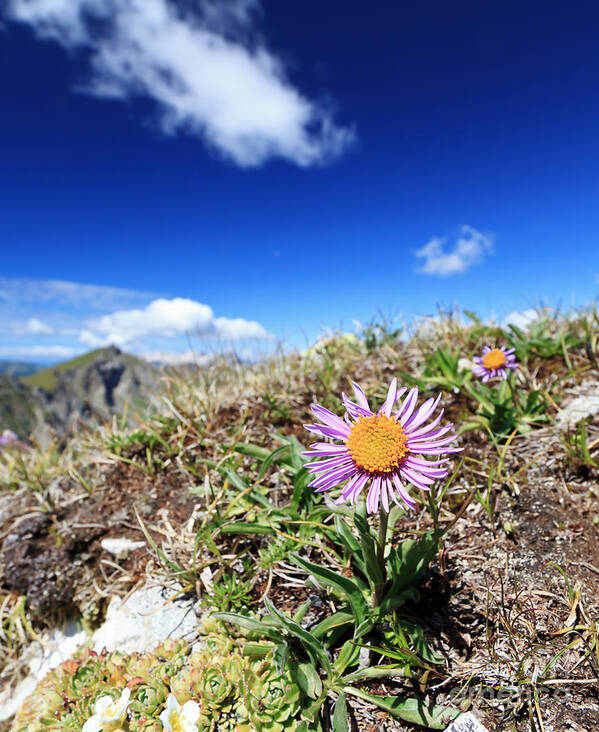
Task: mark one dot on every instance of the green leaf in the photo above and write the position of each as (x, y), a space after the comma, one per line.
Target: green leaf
(251, 450)
(375, 672)
(374, 572)
(241, 527)
(295, 449)
(418, 641)
(300, 482)
(235, 479)
(311, 645)
(308, 679)
(256, 650)
(349, 655)
(251, 624)
(345, 586)
(410, 710)
(280, 655)
(395, 601)
(364, 627)
(311, 713)
(409, 561)
(340, 721)
(336, 620)
(345, 534)
(300, 613)
(274, 456)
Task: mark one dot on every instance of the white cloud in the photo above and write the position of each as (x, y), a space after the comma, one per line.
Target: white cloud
(32, 326)
(178, 359)
(29, 291)
(523, 318)
(203, 66)
(39, 351)
(167, 319)
(469, 249)
(238, 328)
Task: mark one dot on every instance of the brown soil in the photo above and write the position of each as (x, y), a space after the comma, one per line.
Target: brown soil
(53, 557)
(494, 604)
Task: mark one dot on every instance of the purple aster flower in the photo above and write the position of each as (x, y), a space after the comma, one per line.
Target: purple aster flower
(383, 451)
(494, 362)
(8, 437)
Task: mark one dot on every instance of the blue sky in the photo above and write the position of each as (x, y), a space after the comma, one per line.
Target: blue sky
(244, 170)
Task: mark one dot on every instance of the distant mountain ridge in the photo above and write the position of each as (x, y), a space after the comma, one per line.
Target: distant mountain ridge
(90, 388)
(19, 368)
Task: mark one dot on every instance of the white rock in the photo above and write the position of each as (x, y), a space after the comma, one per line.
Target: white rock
(465, 364)
(121, 547)
(144, 620)
(466, 723)
(59, 645)
(579, 408)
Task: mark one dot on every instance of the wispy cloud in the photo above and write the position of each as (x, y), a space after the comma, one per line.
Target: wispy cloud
(179, 359)
(32, 326)
(443, 257)
(24, 291)
(54, 319)
(43, 352)
(203, 65)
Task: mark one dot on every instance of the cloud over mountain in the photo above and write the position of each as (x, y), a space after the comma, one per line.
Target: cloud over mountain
(167, 319)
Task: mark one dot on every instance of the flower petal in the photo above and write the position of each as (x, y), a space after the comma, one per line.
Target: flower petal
(320, 465)
(372, 499)
(93, 724)
(328, 418)
(408, 406)
(355, 410)
(402, 492)
(360, 396)
(385, 487)
(191, 711)
(390, 400)
(425, 411)
(327, 431)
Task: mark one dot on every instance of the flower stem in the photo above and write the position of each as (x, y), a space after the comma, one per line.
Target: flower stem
(380, 555)
(515, 398)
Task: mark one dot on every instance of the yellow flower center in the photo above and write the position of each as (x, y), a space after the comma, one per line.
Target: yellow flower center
(175, 720)
(111, 711)
(495, 359)
(377, 444)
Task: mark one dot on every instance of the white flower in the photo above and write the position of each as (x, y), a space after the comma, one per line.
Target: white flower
(108, 714)
(177, 718)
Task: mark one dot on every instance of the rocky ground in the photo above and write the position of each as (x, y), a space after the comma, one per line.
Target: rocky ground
(511, 602)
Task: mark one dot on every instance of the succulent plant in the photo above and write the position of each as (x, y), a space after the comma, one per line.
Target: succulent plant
(269, 700)
(148, 697)
(235, 692)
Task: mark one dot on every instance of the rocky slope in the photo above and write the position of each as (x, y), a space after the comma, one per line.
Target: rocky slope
(90, 388)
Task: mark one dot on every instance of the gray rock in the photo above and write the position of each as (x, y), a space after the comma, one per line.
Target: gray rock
(145, 619)
(577, 409)
(466, 723)
(59, 645)
(121, 547)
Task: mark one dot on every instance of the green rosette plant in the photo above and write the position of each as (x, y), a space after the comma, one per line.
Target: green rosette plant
(148, 697)
(238, 686)
(145, 725)
(184, 684)
(270, 700)
(85, 678)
